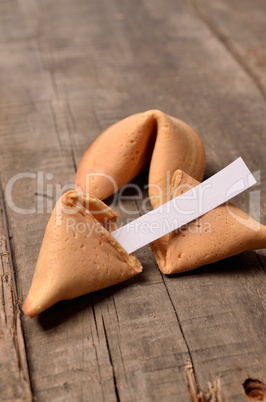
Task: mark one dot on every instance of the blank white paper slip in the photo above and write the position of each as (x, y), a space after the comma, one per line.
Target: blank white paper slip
(221, 187)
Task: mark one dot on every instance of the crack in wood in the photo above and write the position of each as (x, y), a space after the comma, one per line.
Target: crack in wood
(44, 195)
(111, 361)
(72, 149)
(213, 394)
(3, 299)
(182, 332)
(53, 81)
(94, 316)
(57, 131)
(116, 311)
(118, 344)
(95, 345)
(70, 127)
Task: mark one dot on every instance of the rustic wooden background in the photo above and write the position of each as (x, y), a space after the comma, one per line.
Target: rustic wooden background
(69, 69)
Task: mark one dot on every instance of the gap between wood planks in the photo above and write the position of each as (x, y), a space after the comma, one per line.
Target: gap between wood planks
(13, 335)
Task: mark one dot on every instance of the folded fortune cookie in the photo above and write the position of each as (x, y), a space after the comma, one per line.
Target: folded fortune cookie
(78, 254)
(121, 152)
(223, 232)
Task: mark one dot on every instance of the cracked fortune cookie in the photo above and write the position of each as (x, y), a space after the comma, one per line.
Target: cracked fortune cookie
(223, 232)
(125, 149)
(78, 254)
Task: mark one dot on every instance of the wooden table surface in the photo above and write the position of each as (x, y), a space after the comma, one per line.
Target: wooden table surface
(69, 69)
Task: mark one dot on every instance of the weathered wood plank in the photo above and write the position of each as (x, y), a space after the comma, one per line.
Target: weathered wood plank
(134, 340)
(14, 376)
(241, 28)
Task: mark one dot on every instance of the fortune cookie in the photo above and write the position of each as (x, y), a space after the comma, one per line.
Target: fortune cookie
(223, 232)
(78, 254)
(122, 151)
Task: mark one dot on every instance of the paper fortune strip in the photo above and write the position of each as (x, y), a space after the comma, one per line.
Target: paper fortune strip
(221, 187)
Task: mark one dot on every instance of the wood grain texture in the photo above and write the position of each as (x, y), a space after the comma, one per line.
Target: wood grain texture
(68, 71)
(240, 26)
